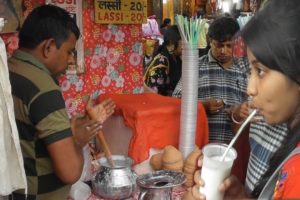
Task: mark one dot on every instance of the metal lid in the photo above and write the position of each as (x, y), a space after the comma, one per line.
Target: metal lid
(161, 179)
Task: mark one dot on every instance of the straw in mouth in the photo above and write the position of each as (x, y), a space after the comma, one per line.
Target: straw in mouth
(238, 133)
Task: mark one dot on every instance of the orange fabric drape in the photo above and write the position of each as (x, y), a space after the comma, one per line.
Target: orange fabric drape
(155, 122)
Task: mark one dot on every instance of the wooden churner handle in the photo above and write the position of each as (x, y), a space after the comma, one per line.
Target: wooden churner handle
(101, 139)
(100, 136)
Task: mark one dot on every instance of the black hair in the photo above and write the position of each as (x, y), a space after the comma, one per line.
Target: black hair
(44, 22)
(276, 42)
(223, 29)
(273, 35)
(201, 11)
(288, 145)
(166, 22)
(172, 35)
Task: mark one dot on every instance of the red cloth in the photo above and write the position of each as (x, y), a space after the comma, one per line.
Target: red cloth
(242, 147)
(155, 122)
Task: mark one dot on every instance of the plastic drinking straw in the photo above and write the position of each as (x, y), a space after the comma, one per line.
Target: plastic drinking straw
(181, 28)
(189, 30)
(238, 134)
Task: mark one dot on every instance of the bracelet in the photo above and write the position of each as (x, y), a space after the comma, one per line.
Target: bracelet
(234, 120)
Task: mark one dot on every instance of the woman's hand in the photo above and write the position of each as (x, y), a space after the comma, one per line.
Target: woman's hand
(233, 189)
(231, 186)
(196, 188)
(198, 182)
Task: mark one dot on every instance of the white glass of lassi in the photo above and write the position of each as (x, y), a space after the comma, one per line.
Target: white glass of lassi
(214, 171)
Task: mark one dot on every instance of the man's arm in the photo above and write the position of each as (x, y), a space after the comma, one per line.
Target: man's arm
(63, 140)
(67, 159)
(177, 91)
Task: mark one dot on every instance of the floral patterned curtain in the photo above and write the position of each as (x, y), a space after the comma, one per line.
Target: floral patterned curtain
(113, 59)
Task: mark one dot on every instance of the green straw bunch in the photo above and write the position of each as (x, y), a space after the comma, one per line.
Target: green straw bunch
(190, 29)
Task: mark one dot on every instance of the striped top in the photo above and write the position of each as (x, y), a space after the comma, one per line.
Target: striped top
(41, 120)
(227, 84)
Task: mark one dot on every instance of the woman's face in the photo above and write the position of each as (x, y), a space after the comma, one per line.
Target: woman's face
(275, 95)
(178, 50)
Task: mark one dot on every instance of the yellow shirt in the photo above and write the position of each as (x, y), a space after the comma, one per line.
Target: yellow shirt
(202, 44)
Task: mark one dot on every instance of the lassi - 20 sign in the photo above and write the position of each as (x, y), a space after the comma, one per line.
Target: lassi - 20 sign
(120, 11)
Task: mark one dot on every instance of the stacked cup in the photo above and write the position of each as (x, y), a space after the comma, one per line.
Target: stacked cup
(189, 99)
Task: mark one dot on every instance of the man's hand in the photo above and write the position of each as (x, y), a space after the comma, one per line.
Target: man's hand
(241, 112)
(213, 105)
(84, 130)
(101, 111)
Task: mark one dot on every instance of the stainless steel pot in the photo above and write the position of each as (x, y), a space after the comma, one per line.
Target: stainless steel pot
(159, 184)
(115, 182)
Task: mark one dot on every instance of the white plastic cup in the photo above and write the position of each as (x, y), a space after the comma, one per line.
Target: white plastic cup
(80, 191)
(214, 171)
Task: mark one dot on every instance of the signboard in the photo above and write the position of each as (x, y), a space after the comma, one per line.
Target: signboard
(68, 5)
(120, 11)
